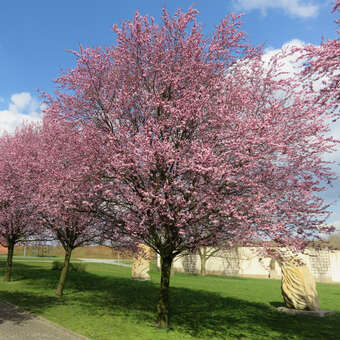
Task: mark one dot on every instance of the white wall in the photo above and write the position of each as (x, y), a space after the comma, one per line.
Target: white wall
(246, 261)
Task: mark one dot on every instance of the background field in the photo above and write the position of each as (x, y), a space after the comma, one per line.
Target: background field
(99, 252)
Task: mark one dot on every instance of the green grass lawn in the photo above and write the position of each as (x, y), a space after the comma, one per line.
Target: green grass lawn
(104, 303)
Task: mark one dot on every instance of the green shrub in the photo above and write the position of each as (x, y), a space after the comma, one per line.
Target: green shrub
(73, 267)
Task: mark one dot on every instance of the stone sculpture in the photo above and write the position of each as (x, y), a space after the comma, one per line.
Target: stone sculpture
(141, 263)
(298, 286)
(273, 273)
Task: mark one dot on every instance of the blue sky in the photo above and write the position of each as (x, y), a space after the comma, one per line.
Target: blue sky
(36, 34)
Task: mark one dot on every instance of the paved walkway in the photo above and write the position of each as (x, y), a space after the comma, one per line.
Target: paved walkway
(115, 262)
(16, 324)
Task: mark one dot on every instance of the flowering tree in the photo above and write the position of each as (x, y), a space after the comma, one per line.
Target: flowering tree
(19, 180)
(199, 143)
(63, 190)
(324, 65)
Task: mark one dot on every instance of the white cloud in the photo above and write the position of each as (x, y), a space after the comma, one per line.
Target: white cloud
(334, 156)
(291, 67)
(299, 8)
(23, 107)
(20, 100)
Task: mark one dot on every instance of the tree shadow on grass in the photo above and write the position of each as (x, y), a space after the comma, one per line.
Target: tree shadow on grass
(198, 313)
(277, 304)
(210, 314)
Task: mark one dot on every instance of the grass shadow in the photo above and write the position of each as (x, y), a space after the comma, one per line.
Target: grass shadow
(277, 304)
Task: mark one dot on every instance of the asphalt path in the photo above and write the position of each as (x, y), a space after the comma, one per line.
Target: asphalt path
(17, 324)
(115, 262)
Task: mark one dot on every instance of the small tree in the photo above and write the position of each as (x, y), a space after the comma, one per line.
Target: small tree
(205, 253)
(199, 142)
(63, 190)
(19, 180)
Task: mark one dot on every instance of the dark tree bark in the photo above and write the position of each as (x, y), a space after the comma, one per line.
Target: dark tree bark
(64, 271)
(163, 302)
(9, 264)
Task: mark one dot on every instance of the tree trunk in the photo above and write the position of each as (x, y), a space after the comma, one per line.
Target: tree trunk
(9, 264)
(163, 302)
(64, 272)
